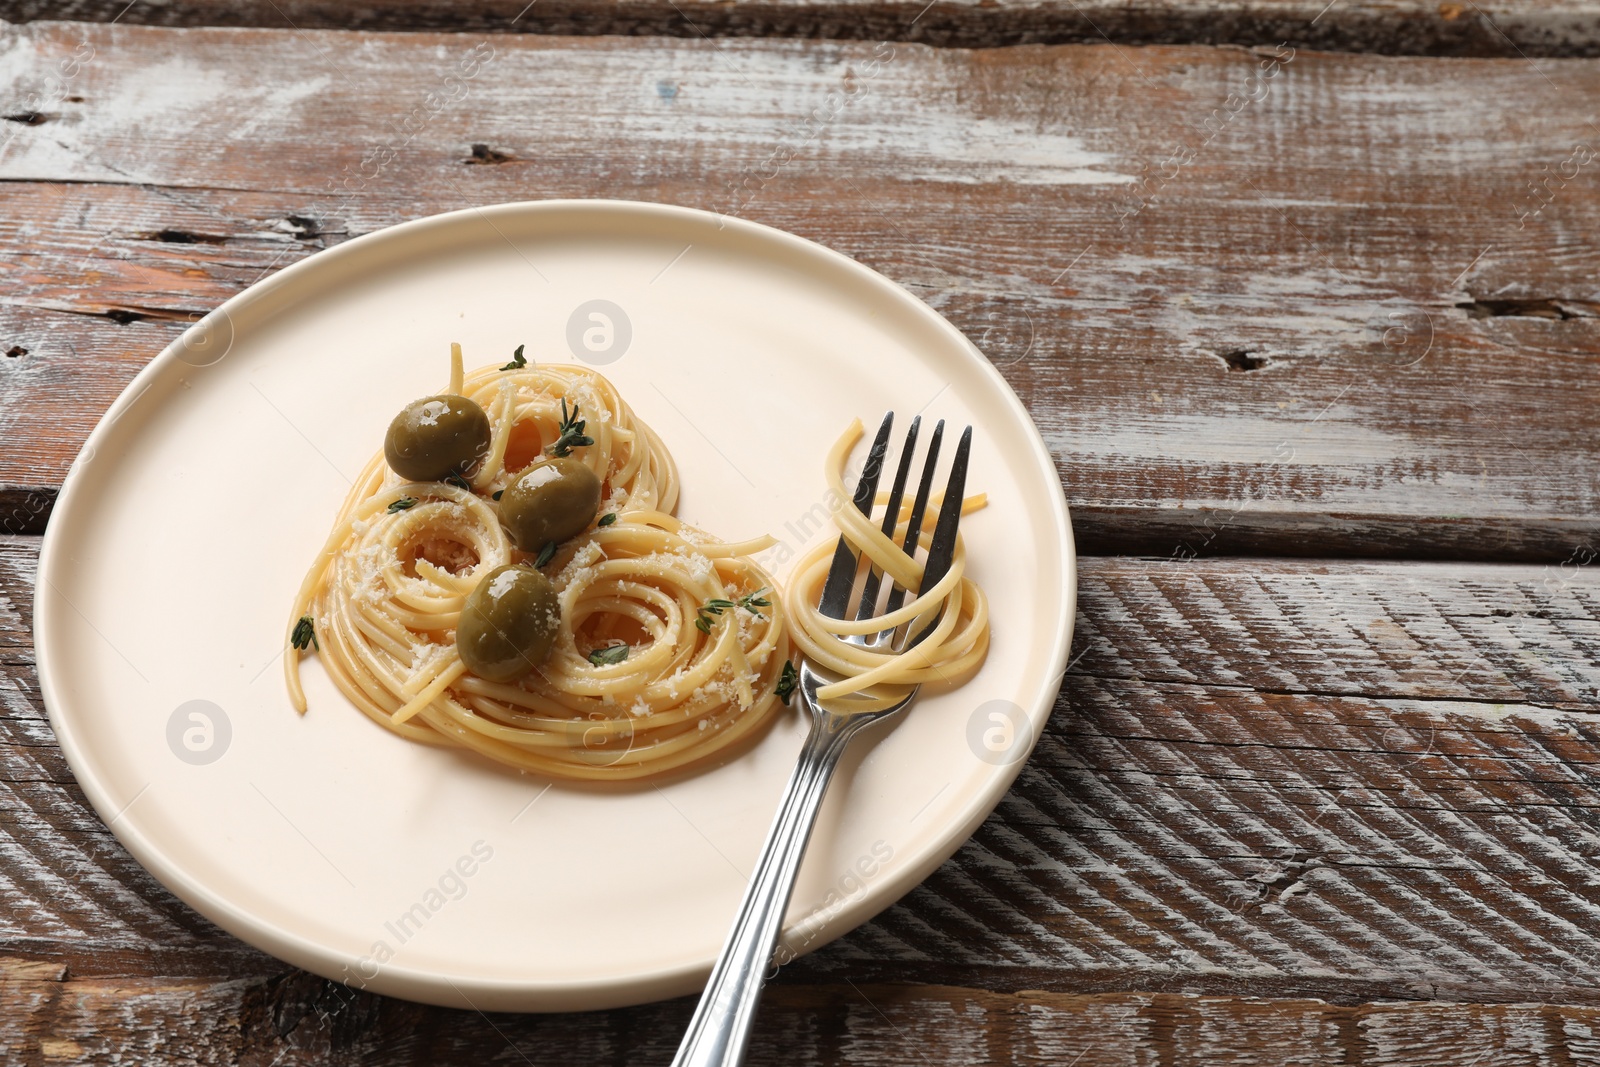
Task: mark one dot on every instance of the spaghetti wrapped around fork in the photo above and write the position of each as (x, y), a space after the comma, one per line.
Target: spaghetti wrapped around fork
(955, 607)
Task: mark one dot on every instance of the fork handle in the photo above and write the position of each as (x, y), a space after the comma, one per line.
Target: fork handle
(719, 1033)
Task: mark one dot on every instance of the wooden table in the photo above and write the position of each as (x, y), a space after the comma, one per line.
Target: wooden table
(1304, 300)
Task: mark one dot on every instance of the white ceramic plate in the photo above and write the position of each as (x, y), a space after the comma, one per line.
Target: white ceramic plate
(189, 519)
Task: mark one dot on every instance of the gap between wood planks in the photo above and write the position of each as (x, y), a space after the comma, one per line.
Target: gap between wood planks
(296, 1019)
(1351, 814)
(1180, 826)
(1390, 27)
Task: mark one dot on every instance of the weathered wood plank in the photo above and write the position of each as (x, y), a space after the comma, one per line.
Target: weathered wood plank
(1330, 323)
(1338, 780)
(46, 1017)
(1391, 27)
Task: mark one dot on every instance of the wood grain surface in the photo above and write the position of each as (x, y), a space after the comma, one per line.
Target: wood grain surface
(1262, 301)
(296, 1020)
(1333, 780)
(1348, 309)
(1388, 27)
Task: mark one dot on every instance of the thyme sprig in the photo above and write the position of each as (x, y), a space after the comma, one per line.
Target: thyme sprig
(717, 605)
(518, 360)
(571, 430)
(787, 681)
(714, 606)
(603, 657)
(304, 635)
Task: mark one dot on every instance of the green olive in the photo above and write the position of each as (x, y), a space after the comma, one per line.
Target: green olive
(549, 502)
(508, 623)
(436, 437)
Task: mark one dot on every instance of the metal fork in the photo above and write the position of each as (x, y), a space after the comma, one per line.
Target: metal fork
(719, 1033)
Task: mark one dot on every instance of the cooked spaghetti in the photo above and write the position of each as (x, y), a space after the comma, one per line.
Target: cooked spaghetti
(526, 414)
(670, 645)
(955, 607)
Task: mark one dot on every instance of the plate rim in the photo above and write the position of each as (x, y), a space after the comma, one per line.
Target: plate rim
(426, 985)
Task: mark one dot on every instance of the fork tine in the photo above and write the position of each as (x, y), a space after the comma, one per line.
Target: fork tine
(942, 549)
(891, 515)
(919, 507)
(842, 574)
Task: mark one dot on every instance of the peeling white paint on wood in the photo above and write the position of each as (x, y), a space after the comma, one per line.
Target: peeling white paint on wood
(1230, 365)
(1303, 779)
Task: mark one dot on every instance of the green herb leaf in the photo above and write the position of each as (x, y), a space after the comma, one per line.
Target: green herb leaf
(458, 481)
(402, 504)
(571, 430)
(518, 360)
(751, 601)
(787, 681)
(304, 635)
(607, 519)
(714, 606)
(546, 554)
(602, 657)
